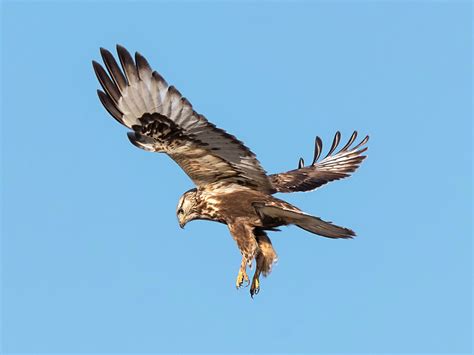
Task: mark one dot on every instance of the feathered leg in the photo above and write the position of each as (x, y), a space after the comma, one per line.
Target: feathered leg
(266, 257)
(243, 235)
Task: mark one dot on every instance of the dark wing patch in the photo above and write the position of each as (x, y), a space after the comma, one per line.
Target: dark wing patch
(332, 167)
(163, 120)
(158, 133)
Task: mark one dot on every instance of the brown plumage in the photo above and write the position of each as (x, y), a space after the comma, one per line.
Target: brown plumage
(232, 187)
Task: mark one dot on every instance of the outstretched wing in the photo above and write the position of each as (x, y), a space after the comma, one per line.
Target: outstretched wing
(162, 120)
(332, 167)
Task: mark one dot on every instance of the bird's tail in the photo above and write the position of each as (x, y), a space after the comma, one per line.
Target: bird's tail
(307, 222)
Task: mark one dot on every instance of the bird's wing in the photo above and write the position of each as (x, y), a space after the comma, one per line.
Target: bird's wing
(162, 120)
(332, 167)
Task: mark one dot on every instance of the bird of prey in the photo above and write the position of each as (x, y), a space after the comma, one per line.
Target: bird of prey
(231, 186)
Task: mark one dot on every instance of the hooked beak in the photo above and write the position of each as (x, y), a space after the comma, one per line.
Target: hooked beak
(184, 220)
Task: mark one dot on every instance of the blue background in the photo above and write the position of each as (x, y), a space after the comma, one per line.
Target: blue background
(93, 259)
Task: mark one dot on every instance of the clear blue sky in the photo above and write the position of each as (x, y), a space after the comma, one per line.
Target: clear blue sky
(93, 259)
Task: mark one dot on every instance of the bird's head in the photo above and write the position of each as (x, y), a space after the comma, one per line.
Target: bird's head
(186, 210)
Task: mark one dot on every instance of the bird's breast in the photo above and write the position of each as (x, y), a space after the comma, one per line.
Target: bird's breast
(229, 206)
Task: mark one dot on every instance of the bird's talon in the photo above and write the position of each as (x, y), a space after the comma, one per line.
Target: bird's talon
(255, 289)
(241, 277)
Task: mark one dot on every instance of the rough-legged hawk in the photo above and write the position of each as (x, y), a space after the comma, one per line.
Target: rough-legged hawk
(232, 187)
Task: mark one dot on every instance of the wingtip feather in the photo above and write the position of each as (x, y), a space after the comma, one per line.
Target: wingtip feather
(300, 163)
(113, 69)
(110, 106)
(318, 147)
(128, 64)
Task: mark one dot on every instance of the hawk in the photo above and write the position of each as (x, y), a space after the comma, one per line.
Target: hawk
(231, 185)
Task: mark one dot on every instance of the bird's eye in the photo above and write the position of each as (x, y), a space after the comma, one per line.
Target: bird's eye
(180, 211)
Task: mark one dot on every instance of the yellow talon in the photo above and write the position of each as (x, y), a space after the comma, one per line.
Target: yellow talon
(241, 277)
(255, 287)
